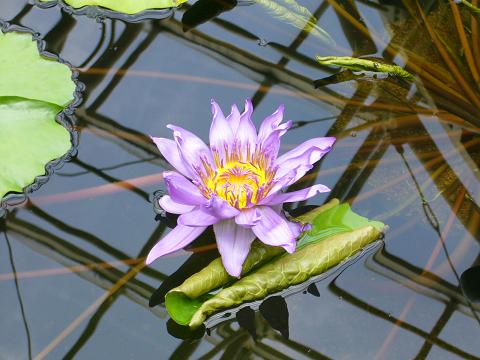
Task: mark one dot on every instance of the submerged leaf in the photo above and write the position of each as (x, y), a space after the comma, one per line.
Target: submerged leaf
(297, 16)
(357, 64)
(124, 6)
(189, 304)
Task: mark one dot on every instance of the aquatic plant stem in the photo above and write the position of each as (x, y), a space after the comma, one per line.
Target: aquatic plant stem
(435, 252)
(475, 37)
(77, 321)
(465, 44)
(17, 287)
(472, 96)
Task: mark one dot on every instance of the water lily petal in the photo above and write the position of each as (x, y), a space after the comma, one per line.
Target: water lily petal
(220, 131)
(270, 123)
(233, 244)
(192, 149)
(273, 229)
(248, 217)
(215, 210)
(176, 239)
(271, 144)
(198, 217)
(168, 148)
(303, 157)
(220, 208)
(182, 190)
(234, 118)
(171, 206)
(297, 228)
(246, 134)
(300, 195)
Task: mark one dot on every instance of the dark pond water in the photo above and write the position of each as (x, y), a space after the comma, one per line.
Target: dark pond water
(406, 154)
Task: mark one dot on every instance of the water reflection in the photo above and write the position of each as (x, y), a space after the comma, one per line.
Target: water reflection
(77, 246)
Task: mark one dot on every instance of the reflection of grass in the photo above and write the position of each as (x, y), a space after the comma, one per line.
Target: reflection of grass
(375, 110)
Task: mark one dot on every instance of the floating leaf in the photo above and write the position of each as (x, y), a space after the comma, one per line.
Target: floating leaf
(189, 304)
(335, 220)
(25, 73)
(124, 6)
(297, 16)
(29, 138)
(33, 90)
(356, 64)
(215, 276)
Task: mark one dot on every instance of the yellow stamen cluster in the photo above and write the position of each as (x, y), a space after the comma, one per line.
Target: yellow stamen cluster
(240, 182)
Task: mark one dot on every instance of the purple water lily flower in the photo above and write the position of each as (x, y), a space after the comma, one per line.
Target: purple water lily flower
(236, 184)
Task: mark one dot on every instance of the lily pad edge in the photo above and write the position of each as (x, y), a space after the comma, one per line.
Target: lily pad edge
(99, 12)
(64, 118)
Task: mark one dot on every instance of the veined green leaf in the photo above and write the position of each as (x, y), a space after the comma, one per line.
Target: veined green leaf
(189, 304)
(214, 275)
(356, 64)
(29, 139)
(124, 6)
(298, 19)
(336, 220)
(25, 73)
(33, 90)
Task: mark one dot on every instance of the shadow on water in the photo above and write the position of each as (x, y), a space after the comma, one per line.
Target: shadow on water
(72, 264)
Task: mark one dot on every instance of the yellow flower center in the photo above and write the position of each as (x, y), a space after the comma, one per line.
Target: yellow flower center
(240, 184)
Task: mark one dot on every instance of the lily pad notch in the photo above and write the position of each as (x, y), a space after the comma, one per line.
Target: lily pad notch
(38, 95)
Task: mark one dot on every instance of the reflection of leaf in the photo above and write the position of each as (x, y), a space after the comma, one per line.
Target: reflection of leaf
(205, 10)
(356, 64)
(33, 91)
(296, 16)
(190, 305)
(275, 311)
(336, 220)
(246, 319)
(124, 6)
(470, 282)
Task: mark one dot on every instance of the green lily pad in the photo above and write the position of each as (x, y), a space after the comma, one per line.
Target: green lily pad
(342, 233)
(124, 6)
(33, 91)
(25, 73)
(30, 138)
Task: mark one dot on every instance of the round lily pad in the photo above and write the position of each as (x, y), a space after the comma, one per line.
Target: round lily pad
(34, 89)
(128, 7)
(30, 138)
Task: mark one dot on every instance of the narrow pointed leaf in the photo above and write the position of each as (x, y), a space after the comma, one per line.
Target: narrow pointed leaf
(356, 64)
